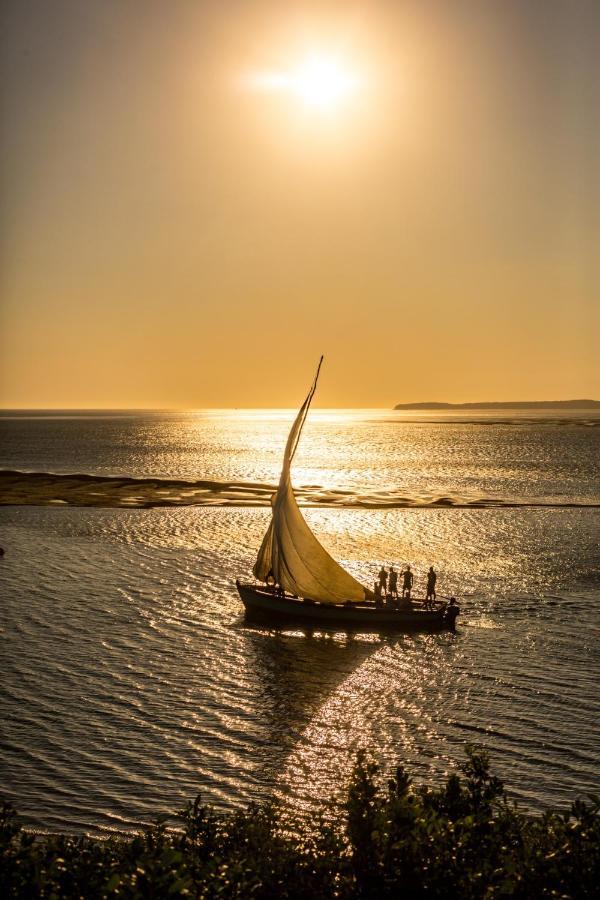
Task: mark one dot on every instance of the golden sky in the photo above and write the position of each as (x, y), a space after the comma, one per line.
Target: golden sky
(182, 226)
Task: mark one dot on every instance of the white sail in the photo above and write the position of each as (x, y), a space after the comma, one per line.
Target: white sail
(290, 551)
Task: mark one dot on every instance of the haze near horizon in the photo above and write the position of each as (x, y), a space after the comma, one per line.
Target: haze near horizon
(200, 200)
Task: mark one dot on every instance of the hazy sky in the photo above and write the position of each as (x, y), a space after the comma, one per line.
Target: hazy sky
(172, 236)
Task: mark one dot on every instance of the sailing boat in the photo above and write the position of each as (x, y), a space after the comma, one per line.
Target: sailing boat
(298, 582)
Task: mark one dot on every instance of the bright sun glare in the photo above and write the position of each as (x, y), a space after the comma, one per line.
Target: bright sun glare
(319, 82)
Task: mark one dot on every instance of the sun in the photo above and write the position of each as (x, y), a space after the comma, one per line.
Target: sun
(322, 82)
(318, 82)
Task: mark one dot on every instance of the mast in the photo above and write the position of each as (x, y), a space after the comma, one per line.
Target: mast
(289, 550)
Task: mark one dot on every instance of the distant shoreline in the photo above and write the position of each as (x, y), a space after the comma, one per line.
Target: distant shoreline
(516, 404)
(124, 412)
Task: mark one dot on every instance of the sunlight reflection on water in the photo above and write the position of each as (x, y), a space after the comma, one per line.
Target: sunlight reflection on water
(130, 682)
(378, 454)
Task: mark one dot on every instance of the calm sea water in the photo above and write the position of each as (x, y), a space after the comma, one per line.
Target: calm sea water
(129, 681)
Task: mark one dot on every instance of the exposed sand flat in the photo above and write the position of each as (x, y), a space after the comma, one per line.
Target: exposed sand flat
(46, 488)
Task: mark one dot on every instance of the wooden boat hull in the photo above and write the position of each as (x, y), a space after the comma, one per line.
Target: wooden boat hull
(263, 606)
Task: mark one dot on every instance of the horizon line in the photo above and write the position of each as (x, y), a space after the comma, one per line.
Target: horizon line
(398, 407)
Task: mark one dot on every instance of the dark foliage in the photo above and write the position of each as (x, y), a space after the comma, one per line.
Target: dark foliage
(464, 840)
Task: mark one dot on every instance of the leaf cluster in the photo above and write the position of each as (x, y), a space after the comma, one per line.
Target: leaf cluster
(461, 840)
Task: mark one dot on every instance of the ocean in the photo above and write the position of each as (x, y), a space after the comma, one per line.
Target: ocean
(129, 681)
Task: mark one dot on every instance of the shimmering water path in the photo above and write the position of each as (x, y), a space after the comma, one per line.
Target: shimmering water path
(129, 681)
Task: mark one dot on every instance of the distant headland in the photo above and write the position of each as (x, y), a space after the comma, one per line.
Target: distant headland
(516, 404)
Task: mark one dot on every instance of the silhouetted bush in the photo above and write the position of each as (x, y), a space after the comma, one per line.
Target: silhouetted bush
(463, 840)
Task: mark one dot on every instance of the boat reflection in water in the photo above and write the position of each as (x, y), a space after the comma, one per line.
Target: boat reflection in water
(324, 696)
(298, 672)
(304, 584)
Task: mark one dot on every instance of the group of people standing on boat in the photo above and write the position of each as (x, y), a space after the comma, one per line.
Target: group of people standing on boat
(386, 587)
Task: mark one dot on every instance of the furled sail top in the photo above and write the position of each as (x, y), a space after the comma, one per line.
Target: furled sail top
(290, 551)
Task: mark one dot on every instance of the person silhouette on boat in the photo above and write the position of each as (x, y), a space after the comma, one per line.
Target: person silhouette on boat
(431, 580)
(272, 584)
(407, 583)
(377, 593)
(452, 611)
(393, 582)
(383, 577)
